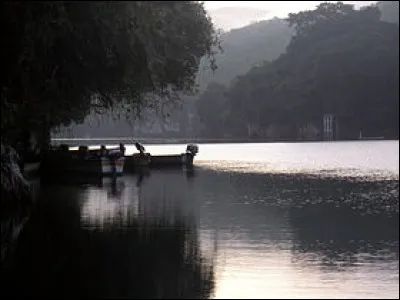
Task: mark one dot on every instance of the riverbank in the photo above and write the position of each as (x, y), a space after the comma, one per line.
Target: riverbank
(18, 195)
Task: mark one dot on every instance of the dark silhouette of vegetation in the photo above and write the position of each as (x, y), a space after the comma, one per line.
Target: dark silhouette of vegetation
(243, 48)
(61, 60)
(341, 61)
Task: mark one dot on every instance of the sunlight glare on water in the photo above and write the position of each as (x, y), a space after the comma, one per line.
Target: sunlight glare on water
(366, 158)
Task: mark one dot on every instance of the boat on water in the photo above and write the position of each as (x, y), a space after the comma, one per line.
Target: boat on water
(183, 159)
(144, 159)
(112, 161)
(104, 162)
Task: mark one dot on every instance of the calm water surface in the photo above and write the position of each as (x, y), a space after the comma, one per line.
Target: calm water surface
(301, 220)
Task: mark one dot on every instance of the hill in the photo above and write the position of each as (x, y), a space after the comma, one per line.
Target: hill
(245, 48)
(341, 61)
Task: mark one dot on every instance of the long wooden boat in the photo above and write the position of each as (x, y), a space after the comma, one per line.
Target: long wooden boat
(137, 161)
(102, 162)
(184, 159)
(144, 160)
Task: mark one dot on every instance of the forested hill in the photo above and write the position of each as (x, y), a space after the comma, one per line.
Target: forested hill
(251, 45)
(245, 48)
(341, 61)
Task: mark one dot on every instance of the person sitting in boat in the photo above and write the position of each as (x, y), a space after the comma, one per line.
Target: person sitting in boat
(122, 148)
(115, 152)
(103, 150)
(140, 148)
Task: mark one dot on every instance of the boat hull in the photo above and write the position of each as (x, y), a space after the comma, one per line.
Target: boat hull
(184, 159)
(137, 162)
(103, 166)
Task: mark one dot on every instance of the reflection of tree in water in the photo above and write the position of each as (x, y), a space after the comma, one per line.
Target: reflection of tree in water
(56, 257)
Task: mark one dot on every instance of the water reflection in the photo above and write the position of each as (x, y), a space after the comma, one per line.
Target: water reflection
(156, 235)
(296, 235)
(339, 239)
(121, 255)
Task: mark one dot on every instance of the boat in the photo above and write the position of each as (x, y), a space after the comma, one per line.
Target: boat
(102, 162)
(183, 159)
(137, 161)
(144, 160)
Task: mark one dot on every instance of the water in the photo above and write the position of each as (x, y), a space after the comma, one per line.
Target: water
(305, 220)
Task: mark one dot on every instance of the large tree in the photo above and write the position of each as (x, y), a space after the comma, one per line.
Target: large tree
(61, 59)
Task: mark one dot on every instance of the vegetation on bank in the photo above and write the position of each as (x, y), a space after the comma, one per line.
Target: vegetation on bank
(63, 59)
(340, 61)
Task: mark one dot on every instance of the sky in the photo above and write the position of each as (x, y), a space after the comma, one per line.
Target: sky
(260, 10)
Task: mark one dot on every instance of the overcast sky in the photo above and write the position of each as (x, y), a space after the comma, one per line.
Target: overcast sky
(259, 10)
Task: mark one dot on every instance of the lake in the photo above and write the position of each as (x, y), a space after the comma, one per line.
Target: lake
(279, 220)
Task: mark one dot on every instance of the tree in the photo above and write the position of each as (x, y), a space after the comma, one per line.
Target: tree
(62, 59)
(341, 61)
(325, 12)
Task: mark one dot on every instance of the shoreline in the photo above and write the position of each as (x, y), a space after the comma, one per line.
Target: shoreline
(166, 141)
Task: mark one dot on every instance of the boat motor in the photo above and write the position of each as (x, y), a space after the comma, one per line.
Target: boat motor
(192, 149)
